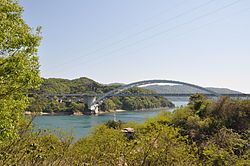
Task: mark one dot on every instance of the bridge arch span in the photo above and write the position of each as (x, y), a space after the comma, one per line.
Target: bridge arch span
(146, 82)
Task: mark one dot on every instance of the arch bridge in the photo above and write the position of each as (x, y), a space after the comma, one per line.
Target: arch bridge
(95, 102)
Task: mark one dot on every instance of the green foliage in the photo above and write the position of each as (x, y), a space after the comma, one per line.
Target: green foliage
(114, 124)
(75, 107)
(35, 148)
(104, 147)
(154, 144)
(38, 103)
(221, 131)
(196, 101)
(56, 106)
(80, 85)
(231, 113)
(18, 67)
(108, 104)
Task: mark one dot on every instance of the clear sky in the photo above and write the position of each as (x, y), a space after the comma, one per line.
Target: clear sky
(205, 42)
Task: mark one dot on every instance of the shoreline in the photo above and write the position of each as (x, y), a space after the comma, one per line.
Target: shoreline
(68, 113)
(100, 112)
(46, 113)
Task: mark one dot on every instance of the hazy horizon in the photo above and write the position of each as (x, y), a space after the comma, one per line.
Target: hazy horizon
(202, 42)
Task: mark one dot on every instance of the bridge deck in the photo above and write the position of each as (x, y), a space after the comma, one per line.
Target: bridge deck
(140, 94)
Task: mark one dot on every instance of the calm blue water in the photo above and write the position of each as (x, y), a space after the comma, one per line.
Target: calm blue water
(80, 126)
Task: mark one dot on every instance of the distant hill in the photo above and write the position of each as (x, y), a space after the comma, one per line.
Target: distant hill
(79, 85)
(115, 84)
(187, 89)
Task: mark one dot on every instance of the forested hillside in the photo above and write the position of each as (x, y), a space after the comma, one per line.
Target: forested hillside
(187, 89)
(41, 103)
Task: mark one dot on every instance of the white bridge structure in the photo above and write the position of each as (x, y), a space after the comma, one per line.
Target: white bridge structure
(94, 100)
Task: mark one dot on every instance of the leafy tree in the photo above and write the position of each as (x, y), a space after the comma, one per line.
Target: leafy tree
(230, 113)
(76, 107)
(108, 105)
(38, 103)
(198, 102)
(154, 144)
(55, 106)
(18, 66)
(114, 124)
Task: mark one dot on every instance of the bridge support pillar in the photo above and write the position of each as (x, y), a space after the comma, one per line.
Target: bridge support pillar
(92, 108)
